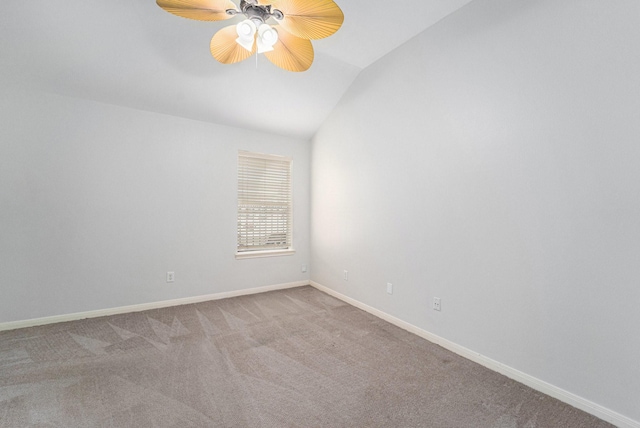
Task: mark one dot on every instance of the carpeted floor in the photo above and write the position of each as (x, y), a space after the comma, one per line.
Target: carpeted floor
(290, 358)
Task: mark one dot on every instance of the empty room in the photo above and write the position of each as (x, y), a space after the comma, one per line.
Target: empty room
(320, 213)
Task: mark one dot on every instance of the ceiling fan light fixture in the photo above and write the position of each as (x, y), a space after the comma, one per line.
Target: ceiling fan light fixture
(286, 43)
(267, 37)
(246, 34)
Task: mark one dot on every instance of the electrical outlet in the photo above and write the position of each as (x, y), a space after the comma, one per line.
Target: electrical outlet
(345, 275)
(389, 288)
(171, 276)
(436, 304)
(304, 268)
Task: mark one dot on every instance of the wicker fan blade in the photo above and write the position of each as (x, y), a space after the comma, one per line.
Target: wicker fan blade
(225, 49)
(202, 10)
(290, 52)
(310, 19)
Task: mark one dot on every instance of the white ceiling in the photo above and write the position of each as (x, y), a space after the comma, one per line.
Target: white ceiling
(134, 54)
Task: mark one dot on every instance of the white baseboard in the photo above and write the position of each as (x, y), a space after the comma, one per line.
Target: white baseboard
(145, 306)
(574, 400)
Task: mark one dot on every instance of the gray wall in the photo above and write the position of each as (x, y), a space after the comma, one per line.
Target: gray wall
(98, 202)
(494, 161)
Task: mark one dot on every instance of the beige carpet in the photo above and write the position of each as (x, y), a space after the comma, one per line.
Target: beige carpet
(290, 358)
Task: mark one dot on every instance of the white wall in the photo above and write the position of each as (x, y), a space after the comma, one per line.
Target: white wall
(494, 161)
(98, 202)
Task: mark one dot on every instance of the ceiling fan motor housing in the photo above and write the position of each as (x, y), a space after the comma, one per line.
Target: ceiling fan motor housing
(259, 13)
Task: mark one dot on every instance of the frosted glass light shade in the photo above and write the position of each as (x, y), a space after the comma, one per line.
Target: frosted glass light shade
(246, 34)
(267, 37)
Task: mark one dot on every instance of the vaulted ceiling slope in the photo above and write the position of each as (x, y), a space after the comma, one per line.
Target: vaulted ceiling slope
(134, 54)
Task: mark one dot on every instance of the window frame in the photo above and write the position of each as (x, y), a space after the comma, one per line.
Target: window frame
(249, 253)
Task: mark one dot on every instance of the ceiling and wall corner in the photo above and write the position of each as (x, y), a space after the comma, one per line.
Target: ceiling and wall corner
(134, 54)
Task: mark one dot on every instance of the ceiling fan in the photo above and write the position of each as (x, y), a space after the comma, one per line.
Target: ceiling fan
(286, 44)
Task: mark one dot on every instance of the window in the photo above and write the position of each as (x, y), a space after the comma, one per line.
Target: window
(264, 205)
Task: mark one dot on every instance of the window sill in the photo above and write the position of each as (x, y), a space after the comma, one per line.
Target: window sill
(267, 253)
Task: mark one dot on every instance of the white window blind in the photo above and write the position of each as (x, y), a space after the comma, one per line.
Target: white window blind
(264, 202)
